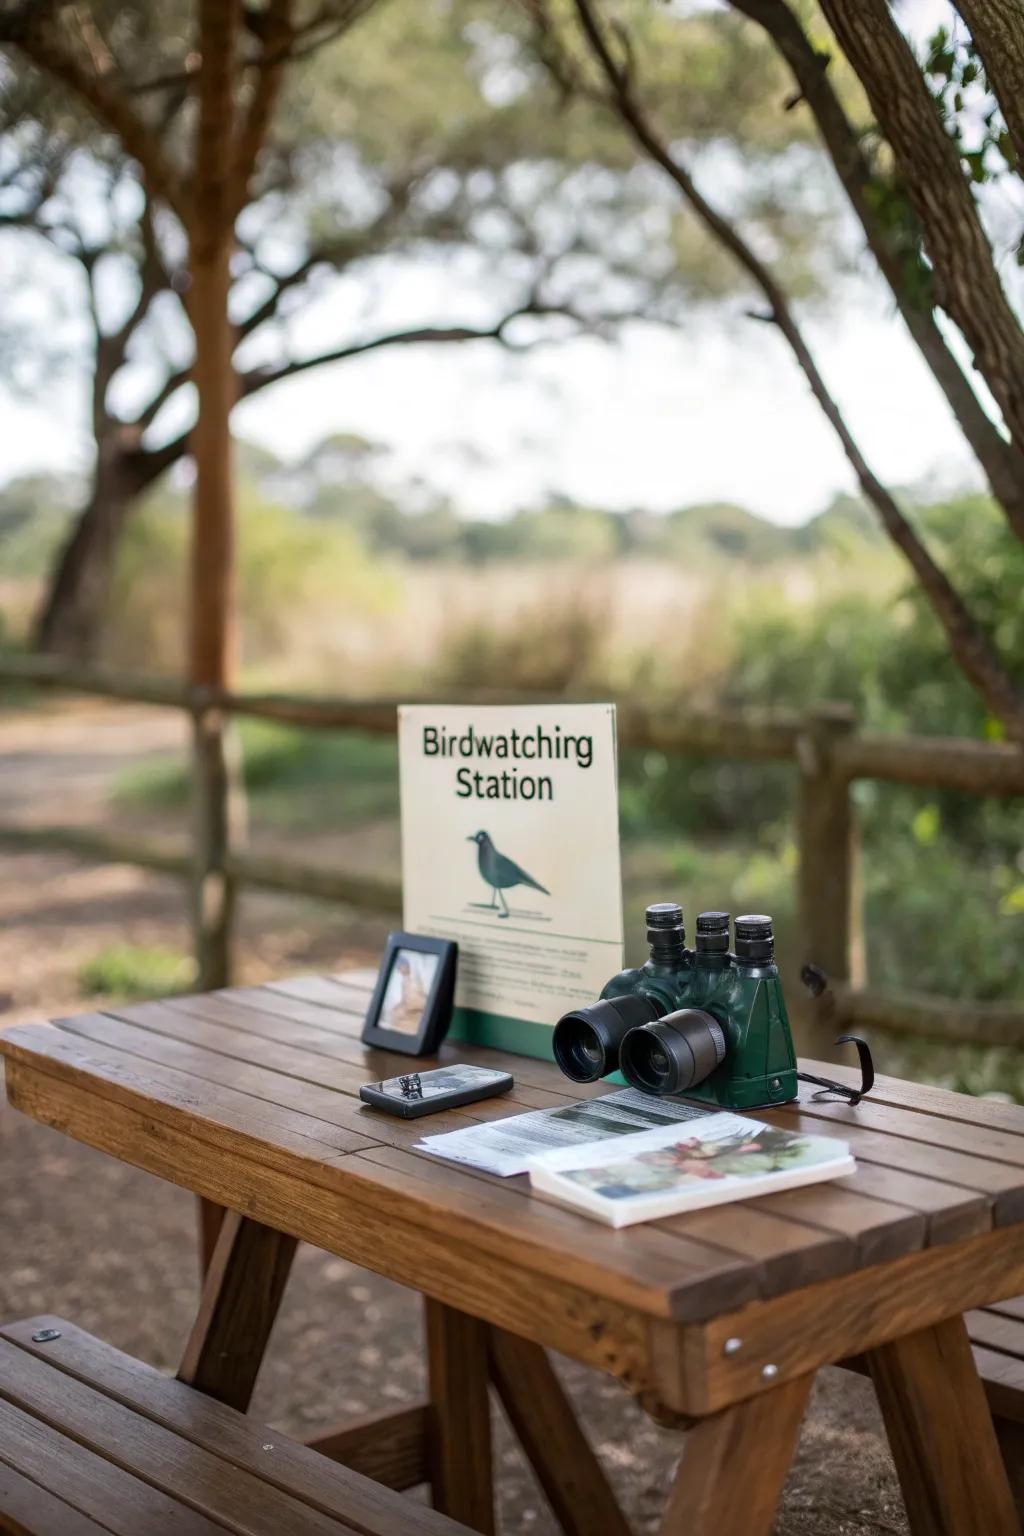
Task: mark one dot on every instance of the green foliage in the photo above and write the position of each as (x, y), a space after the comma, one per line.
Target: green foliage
(295, 778)
(35, 511)
(298, 577)
(134, 970)
(708, 606)
(538, 649)
(955, 73)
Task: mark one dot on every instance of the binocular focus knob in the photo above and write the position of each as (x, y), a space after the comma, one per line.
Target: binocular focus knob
(665, 932)
(755, 937)
(713, 933)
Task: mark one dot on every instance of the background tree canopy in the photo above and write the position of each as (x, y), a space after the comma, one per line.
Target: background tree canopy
(424, 134)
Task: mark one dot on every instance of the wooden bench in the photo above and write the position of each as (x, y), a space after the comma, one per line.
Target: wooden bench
(93, 1442)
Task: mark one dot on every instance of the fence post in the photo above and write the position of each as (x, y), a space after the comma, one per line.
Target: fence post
(218, 808)
(829, 901)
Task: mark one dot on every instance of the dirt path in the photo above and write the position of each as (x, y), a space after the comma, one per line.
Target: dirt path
(112, 1248)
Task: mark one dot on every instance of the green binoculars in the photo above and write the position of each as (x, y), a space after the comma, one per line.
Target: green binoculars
(710, 1023)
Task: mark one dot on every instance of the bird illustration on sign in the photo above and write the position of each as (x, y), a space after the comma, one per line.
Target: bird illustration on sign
(500, 872)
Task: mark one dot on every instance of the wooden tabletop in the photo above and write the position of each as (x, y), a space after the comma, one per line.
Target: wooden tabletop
(249, 1097)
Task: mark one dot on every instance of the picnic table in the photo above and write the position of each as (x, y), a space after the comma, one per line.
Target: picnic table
(717, 1321)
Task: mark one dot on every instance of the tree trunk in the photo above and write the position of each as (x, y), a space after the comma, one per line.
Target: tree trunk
(966, 278)
(212, 627)
(70, 616)
(219, 805)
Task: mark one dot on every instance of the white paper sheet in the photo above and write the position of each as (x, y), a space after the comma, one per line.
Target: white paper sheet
(506, 1146)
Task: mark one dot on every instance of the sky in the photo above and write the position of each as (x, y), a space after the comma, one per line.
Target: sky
(658, 419)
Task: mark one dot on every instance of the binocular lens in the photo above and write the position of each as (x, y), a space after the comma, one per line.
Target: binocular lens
(586, 1051)
(674, 1054)
(586, 1041)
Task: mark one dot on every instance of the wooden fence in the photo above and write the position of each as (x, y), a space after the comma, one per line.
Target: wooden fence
(828, 750)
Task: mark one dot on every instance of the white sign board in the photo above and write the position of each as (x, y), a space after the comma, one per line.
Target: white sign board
(510, 846)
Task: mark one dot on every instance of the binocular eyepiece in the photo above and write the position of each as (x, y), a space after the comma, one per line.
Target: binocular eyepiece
(656, 1052)
(588, 1040)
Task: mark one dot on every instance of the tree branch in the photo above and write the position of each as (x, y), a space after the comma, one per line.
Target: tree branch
(997, 27)
(276, 34)
(970, 644)
(967, 284)
(153, 279)
(260, 378)
(31, 33)
(899, 261)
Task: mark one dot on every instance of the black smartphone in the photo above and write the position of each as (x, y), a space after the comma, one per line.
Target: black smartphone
(425, 1093)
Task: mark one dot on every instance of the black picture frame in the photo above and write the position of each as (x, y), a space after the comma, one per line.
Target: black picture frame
(440, 997)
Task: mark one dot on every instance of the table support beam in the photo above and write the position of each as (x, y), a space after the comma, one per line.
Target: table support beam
(941, 1433)
(392, 1448)
(460, 1416)
(734, 1465)
(210, 1218)
(241, 1295)
(548, 1430)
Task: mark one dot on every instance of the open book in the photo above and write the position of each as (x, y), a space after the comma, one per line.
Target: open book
(684, 1167)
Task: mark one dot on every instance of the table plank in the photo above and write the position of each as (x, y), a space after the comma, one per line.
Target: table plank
(1001, 1185)
(656, 1257)
(273, 1074)
(978, 1140)
(384, 1231)
(877, 1228)
(538, 1084)
(659, 1273)
(221, 1115)
(950, 1210)
(929, 1099)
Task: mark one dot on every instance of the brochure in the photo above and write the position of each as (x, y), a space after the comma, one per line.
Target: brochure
(506, 1146)
(510, 846)
(671, 1170)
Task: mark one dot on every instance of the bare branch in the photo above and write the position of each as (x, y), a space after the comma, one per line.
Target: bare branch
(153, 279)
(260, 378)
(997, 27)
(276, 33)
(967, 284)
(968, 640)
(32, 34)
(902, 267)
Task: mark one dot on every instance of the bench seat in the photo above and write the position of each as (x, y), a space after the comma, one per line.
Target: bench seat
(93, 1441)
(997, 1334)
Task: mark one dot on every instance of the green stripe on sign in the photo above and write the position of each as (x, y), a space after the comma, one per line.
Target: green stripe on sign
(518, 1036)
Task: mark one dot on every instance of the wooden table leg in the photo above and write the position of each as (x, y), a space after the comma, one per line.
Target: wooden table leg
(734, 1465)
(941, 1433)
(241, 1295)
(209, 1217)
(460, 1416)
(544, 1421)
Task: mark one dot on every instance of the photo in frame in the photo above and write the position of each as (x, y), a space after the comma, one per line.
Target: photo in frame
(411, 1007)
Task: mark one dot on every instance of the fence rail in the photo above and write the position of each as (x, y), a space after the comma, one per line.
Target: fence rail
(827, 749)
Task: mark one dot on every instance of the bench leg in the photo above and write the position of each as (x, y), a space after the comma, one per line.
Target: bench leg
(241, 1295)
(1010, 1435)
(549, 1432)
(460, 1416)
(940, 1430)
(734, 1465)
